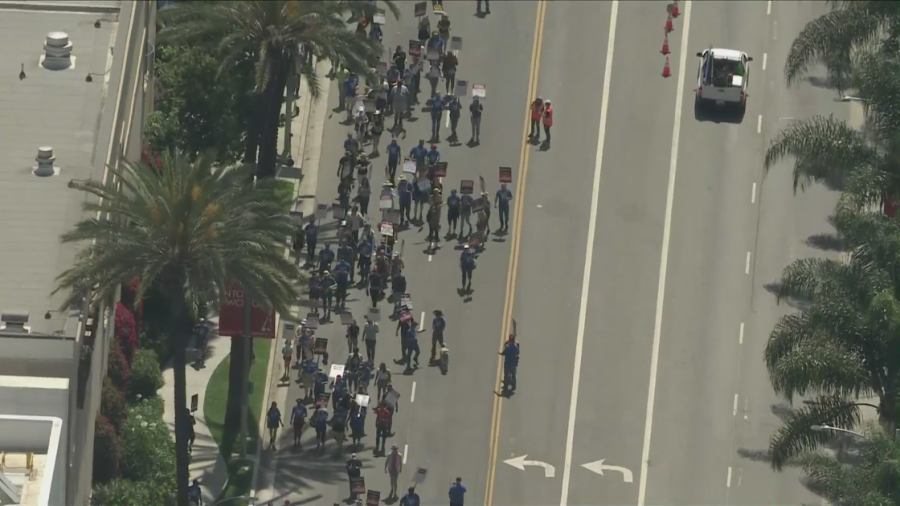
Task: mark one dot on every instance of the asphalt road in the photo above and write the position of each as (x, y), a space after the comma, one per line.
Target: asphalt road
(586, 260)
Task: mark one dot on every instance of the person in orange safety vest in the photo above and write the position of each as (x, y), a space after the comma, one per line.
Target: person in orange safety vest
(548, 120)
(537, 112)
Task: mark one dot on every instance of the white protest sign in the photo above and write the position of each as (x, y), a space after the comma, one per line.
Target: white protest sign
(419, 478)
(321, 211)
(478, 90)
(391, 398)
(409, 166)
(386, 202)
(378, 18)
(374, 314)
(455, 43)
(362, 400)
(336, 370)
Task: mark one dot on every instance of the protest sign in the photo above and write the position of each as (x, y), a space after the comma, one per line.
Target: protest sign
(374, 314)
(462, 87)
(336, 370)
(321, 211)
(379, 18)
(433, 56)
(312, 321)
(321, 346)
(338, 212)
(362, 400)
(392, 215)
(420, 9)
(409, 166)
(386, 229)
(358, 485)
(347, 318)
(419, 478)
(373, 498)
(466, 186)
(506, 174)
(478, 90)
(455, 43)
(440, 170)
(477, 205)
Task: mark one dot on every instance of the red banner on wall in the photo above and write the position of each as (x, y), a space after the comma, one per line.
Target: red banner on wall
(231, 315)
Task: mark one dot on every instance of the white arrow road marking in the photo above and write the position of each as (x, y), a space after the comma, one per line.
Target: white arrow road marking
(520, 463)
(598, 467)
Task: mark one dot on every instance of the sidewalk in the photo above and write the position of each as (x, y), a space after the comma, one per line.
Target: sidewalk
(207, 463)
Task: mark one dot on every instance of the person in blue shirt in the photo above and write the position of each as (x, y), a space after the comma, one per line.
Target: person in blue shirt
(320, 422)
(342, 274)
(412, 345)
(298, 419)
(419, 153)
(338, 387)
(433, 156)
(364, 250)
(510, 355)
(501, 202)
(404, 194)
(273, 422)
(326, 256)
(195, 493)
(437, 111)
(411, 498)
(375, 32)
(393, 152)
(435, 42)
(438, 324)
(453, 202)
(457, 493)
(467, 266)
(455, 108)
(327, 289)
(308, 369)
(348, 89)
(312, 236)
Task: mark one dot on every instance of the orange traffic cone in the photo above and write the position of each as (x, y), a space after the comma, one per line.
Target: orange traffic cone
(669, 27)
(675, 11)
(665, 48)
(667, 72)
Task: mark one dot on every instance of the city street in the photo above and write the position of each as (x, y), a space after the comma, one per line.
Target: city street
(635, 270)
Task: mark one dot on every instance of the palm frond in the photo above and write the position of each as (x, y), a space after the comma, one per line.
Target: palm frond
(796, 435)
(823, 148)
(195, 219)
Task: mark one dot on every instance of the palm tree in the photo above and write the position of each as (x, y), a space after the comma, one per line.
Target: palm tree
(846, 344)
(835, 38)
(189, 229)
(281, 35)
(874, 480)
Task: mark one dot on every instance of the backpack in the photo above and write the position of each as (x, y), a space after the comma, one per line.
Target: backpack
(353, 362)
(470, 262)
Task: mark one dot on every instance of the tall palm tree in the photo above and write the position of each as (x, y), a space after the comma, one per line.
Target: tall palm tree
(846, 344)
(281, 35)
(834, 38)
(189, 229)
(873, 481)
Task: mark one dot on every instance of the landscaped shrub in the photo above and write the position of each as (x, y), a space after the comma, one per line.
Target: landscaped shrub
(147, 448)
(155, 338)
(146, 377)
(122, 492)
(112, 405)
(126, 331)
(129, 293)
(117, 368)
(106, 450)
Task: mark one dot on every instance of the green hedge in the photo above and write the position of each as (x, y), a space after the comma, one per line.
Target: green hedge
(146, 376)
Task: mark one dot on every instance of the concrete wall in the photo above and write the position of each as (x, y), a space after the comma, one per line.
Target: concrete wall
(124, 96)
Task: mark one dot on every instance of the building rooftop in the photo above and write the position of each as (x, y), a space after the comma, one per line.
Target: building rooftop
(47, 106)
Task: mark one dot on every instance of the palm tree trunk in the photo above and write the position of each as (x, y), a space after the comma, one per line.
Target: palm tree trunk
(268, 139)
(179, 333)
(251, 143)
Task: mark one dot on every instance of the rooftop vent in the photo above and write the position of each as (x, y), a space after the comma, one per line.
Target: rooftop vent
(14, 321)
(45, 161)
(57, 52)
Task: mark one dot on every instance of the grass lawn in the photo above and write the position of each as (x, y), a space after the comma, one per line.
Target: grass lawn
(227, 437)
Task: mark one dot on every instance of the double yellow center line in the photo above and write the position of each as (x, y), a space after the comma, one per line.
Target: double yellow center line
(515, 243)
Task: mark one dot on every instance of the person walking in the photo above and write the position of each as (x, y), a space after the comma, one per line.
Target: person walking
(393, 466)
(354, 470)
(501, 201)
(510, 355)
(382, 380)
(453, 109)
(437, 112)
(411, 498)
(548, 120)
(476, 110)
(383, 417)
(370, 336)
(438, 324)
(457, 493)
(449, 64)
(273, 422)
(537, 112)
(393, 152)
